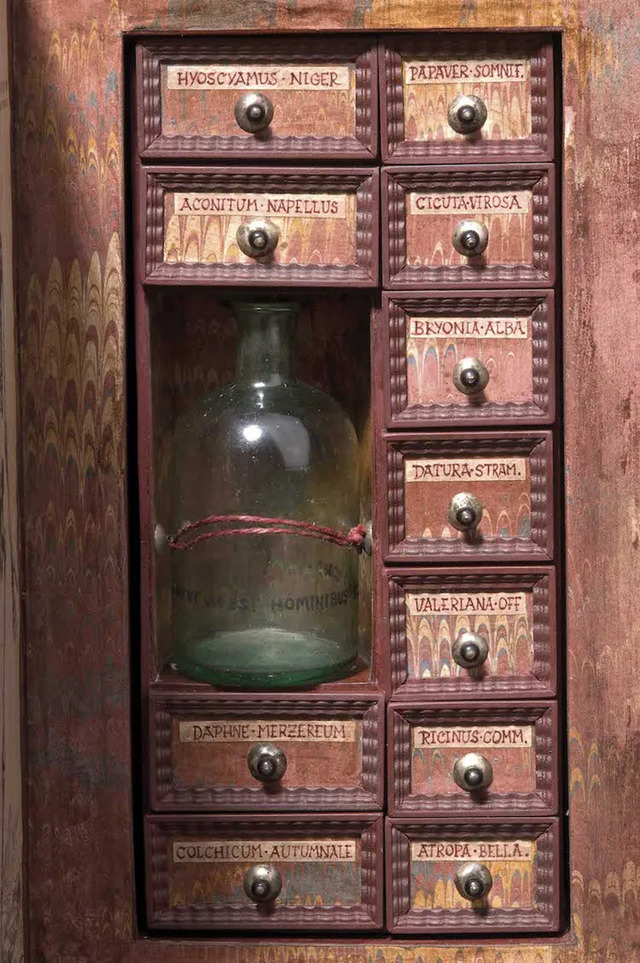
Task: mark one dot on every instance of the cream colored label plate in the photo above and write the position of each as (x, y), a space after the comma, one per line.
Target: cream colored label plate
(463, 603)
(258, 77)
(465, 71)
(454, 850)
(265, 205)
(480, 328)
(260, 730)
(469, 205)
(473, 737)
(262, 850)
(465, 469)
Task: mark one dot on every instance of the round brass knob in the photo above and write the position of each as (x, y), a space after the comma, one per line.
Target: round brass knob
(258, 237)
(469, 650)
(266, 763)
(467, 113)
(253, 112)
(470, 376)
(473, 881)
(470, 238)
(473, 772)
(465, 512)
(262, 884)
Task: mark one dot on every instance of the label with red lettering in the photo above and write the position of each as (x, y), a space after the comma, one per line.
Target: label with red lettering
(483, 850)
(465, 71)
(258, 77)
(266, 205)
(467, 603)
(480, 328)
(264, 850)
(473, 737)
(465, 204)
(465, 469)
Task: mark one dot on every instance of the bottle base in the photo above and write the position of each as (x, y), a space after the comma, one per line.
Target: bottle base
(264, 658)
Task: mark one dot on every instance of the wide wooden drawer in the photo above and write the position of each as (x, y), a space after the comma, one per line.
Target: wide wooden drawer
(309, 98)
(469, 359)
(304, 226)
(232, 872)
(473, 634)
(482, 228)
(428, 79)
(473, 496)
(475, 759)
(266, 752)
(430, 865)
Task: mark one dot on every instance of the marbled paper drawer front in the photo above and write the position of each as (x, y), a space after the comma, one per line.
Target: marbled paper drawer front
(494, 758)
(466, 98)
(484, 495)
(251, 97)
(264, 872)
(464, 360)
(263, 226)
(480, 633)
(466, 876)
(268, 753)
(483, 227)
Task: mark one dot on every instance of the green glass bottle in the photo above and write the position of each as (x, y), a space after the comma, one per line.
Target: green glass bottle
(272, 608)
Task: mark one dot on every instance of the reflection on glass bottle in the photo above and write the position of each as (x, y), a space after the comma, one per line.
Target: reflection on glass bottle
(275, 607)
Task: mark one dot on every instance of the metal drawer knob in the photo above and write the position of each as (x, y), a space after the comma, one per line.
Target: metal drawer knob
(262, 884)
(469, 650)
(470, 376)
(470, 238)
(266, 763)
(473, 772)
(467, 113)
(258, 237)
(473, 881)
(465, 512)
(253, 112)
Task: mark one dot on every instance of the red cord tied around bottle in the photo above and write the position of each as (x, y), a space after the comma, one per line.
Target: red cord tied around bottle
(257, 525)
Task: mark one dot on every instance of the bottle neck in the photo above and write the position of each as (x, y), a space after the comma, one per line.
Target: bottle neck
(264, 345)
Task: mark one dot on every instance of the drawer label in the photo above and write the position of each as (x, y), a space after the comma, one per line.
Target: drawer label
(285, 205)
(451, 71)
(257, 730)
(489, 202)
(259, 850)
(506, 328)
(512, 737)
(265, 76)
(465, 469)
(442, 849)
(463, 603)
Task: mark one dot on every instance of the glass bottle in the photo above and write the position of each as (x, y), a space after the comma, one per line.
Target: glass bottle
(272, 608)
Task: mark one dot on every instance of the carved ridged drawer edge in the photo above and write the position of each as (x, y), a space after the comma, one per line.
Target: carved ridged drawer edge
(154, 144)
(397, 182)
(538, 304)
(402, 720)
(537, 445)
(400, 833)
(397, 150)
(363, 182)
(543, 631)
(365, 915)
(168, 794)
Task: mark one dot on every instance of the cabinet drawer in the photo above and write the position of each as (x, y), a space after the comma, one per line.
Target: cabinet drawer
(308, 873)
(456, 759)
(471, 496)
(469, 359)
(323, 224)
(321, 95)
(501, 219)
(426, 862)
(266, 752)
(507, 616)
(427, 80)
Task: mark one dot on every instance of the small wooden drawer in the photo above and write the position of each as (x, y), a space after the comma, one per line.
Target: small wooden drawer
(423, 78)
(426, 207)
(507, 476)
(511, 611)
(325, 222)
(320, 873)
(433, 343)
(437, 755)
(322, 93)
(331, 749)
(424, 859)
